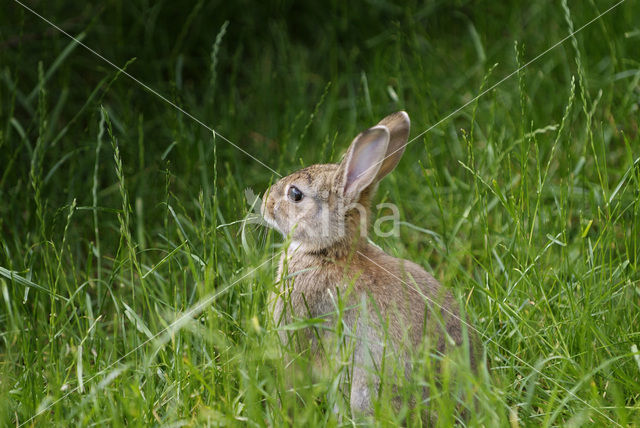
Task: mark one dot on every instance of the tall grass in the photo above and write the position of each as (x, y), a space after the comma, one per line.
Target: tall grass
(130, 294)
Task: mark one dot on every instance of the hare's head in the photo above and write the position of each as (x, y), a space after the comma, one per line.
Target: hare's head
(325, 205)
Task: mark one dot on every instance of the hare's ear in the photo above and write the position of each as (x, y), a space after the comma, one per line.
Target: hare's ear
(362, 162)
(399, 125)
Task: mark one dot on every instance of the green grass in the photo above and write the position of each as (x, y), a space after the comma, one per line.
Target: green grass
(129, 297)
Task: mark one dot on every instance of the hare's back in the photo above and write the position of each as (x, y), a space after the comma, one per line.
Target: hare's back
(410, 295)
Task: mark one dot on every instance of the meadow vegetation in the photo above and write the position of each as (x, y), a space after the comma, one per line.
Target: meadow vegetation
(130, 292)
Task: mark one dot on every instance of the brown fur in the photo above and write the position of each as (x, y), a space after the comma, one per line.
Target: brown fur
(394, 304)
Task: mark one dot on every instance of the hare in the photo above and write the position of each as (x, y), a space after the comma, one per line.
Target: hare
(393, 305)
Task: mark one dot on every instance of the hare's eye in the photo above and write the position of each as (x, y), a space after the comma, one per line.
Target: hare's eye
(295, 194)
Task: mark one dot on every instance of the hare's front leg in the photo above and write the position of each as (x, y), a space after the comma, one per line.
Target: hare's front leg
(364, 389)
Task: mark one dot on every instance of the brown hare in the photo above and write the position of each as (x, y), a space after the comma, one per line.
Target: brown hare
(393, 305)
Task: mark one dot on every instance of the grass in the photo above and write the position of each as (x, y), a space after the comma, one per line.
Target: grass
(129, 296)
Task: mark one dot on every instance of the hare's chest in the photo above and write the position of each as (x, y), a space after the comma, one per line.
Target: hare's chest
(306, 291)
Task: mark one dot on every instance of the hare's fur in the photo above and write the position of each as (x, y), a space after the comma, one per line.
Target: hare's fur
(393, 305)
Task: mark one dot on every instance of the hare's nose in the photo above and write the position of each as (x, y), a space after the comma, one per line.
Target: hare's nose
(264, 207)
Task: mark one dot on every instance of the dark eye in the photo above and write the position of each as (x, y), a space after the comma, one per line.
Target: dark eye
(295, 194)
